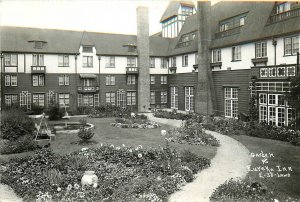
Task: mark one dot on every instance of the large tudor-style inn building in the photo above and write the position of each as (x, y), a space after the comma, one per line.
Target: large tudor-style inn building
(203, 60)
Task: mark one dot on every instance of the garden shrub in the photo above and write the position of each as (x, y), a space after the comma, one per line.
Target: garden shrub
(246, 190)
(54, 112)
(35, 109)
(191, 133)
(172, 115)
(84, 133)
(105, 111)
(15, 124)
(263, 130)
(21, 144)
(139, 121)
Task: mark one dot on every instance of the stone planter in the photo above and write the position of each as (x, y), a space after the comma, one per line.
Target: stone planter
(89, 178)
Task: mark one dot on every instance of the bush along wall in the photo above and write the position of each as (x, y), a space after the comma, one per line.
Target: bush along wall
(17, 132)
(229, 126)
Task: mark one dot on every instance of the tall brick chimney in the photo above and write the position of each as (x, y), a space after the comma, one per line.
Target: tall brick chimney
(143, 59)
(205, 96)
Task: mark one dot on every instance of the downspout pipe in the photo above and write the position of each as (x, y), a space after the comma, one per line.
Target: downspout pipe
(274, 42)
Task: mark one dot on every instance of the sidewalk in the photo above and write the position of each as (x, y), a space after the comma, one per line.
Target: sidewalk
(230, 162)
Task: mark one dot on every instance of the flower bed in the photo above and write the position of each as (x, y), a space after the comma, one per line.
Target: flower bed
(106, 111)
(245, 190)
(135, 122)
(191, 133)
(172, 115)
(125, 174)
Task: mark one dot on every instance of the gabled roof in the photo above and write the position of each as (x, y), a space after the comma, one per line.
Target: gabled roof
(15, 39)
(173, 7)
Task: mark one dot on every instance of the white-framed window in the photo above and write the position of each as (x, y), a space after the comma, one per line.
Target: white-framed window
(274, 109)
(63, 80)
(163, 79)
(10, 99)
(291, 45)
(88, 100)
(110, 80)
(110, 98)
(189, 98)
(130, 79)
(163, 97)
(25, 99)
(174, 97)
(231, 102)
(110, 61)
(64, 99)
(236, 53)
(121, 98)
(88, 82)
(152, 62)
(152, 79)
(11, 80)
(38, 99)
(38, 80)
(217, 55)
(11, 60)
(163, 63)
(185, 60)
(173, 61)
(261, 49)
(131, 62)
(131, 98)
(63, 60)
(152, 97)
(37, 60)
(87, 61)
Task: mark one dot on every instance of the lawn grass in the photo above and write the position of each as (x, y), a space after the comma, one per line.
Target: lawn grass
(285, 154)
(107, 134)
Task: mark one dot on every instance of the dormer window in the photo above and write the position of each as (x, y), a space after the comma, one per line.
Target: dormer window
(283, 7)
(223, 27)
(87, 49)
(131, 48)
(242, 20)
(186, 39)
(38, 44)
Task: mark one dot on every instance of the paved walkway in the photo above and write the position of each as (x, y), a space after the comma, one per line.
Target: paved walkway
(8, 195)
(230, 162)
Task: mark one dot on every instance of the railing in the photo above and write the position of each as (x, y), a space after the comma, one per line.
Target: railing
(132, 70)
(283, 16)
(228, 32)
(280, 71)
(38, 69)
(88, 89)
(173, 69)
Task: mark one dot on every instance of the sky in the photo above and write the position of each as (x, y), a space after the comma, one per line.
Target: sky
(114, 16)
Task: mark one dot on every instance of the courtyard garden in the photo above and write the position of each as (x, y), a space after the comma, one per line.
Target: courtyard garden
(138, 159)
(132, 164)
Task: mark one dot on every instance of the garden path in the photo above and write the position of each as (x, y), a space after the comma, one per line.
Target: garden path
(230, 161)
(7, 194)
